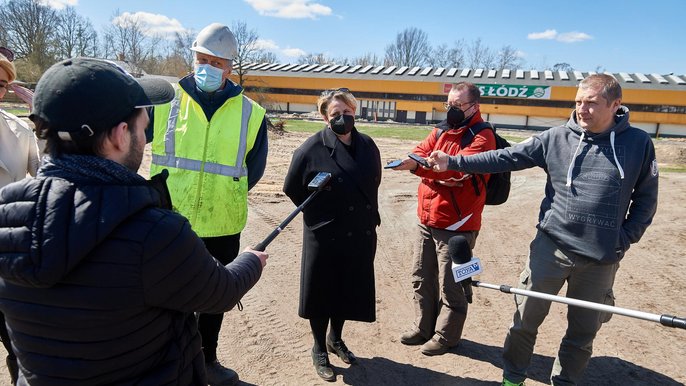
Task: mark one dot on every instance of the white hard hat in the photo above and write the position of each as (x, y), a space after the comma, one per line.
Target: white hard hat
(216, 40)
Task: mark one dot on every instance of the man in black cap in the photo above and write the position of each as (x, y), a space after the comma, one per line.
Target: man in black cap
(99, 279)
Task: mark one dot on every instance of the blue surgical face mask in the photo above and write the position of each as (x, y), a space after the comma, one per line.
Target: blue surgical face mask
(208, 78)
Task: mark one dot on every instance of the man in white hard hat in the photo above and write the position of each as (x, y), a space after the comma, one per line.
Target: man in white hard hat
(213, 141)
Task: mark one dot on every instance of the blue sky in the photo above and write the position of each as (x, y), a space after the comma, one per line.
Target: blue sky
(614, 35)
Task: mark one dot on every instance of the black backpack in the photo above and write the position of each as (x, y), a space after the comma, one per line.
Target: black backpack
(498, 186)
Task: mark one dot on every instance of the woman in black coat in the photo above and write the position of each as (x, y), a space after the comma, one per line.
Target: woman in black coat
(339, 235)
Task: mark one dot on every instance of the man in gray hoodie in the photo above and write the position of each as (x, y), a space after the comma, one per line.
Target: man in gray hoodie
(600, 196)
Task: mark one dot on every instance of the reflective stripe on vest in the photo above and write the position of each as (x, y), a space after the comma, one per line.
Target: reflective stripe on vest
(171, 160)
(207, 183)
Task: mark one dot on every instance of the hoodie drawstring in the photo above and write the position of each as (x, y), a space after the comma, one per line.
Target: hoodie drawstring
(571, 164)
(614, 154)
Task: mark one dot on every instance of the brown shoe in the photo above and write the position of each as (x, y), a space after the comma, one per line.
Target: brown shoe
(434, 347)
(339, 348)
(323, 366)
(412, 338)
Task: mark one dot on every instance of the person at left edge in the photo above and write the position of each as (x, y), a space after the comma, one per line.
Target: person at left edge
(339, 227)
(18, 158)
(213, 141)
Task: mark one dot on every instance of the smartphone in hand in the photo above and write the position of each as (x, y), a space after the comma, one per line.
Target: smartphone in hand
(420, 160)
(393, 164)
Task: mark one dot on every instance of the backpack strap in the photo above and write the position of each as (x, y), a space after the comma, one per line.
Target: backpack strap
(442, 127)
(471, 132)
(467, 138)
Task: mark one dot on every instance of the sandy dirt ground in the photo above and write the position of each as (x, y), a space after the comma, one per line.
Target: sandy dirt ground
(268, 344)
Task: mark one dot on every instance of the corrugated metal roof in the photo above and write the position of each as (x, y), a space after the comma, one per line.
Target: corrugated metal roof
(451, 75)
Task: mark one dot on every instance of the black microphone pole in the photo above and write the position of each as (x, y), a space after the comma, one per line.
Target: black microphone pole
(664, 319)
(318, 183)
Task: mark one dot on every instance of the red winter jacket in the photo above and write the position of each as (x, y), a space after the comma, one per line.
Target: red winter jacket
(456, 208)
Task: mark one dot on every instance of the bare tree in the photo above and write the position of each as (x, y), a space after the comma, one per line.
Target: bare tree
(181, 48)
(507, 57)
(74, 35)
(248, 49)
(265, 57)
(29, 29)
(480, 56)
(368, 59)
(126, 40)
(562, 67)
(319, 58)
(443, 56)
(411, 48)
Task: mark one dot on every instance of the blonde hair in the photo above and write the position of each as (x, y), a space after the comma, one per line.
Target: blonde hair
(9, 67)
(342, 95)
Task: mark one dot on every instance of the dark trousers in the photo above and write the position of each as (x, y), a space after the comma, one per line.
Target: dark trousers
(225, 250)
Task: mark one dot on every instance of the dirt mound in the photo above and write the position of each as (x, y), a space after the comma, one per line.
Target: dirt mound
(671, 152)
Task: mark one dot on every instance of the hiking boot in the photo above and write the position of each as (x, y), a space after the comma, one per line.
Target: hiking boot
(506, 382)
(218, 375)
(412, 338)
(323, 366)
(434, 347)
(339, 348)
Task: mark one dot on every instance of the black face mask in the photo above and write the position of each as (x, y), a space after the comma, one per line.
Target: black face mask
(342, 124)
(455, 117)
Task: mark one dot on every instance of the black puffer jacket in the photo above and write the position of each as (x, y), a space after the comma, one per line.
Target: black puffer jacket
(99, 284)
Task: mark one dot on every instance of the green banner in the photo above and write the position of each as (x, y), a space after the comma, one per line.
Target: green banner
(514, 91)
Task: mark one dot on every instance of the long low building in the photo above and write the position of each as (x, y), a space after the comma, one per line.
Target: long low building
(525, 99)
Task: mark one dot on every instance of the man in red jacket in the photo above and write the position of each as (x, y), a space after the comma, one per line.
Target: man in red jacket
(449, 204)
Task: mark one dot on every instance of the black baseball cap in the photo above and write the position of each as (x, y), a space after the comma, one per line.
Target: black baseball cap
(80, 95)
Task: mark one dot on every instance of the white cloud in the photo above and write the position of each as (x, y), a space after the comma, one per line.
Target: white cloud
(59, 4)
(572, 37)
(547, 34)
(265, 44)
(270, 45)
(290, 9)
(565, 37)
(293, 52)
(153, 24)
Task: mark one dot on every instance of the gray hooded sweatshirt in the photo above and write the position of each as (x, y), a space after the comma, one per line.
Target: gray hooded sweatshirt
(601, 190)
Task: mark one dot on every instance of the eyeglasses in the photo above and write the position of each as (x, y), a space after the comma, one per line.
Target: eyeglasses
(335, 90)
(457, 106)
(7, 53)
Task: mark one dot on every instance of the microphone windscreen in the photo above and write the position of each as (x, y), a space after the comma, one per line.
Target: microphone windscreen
(459, 250)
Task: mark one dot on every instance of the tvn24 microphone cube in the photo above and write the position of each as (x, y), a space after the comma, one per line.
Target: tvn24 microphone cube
(466, 270)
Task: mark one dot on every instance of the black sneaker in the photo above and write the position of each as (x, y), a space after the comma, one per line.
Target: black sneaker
(323, 366)
(339, 348)
(218, 375)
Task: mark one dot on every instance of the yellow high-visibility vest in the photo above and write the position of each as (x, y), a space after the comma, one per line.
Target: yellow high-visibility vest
(208, 179)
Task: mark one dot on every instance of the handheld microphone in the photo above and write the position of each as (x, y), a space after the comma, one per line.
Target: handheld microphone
(464, 264)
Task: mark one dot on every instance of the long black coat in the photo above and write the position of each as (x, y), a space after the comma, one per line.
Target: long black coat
(339, 235)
